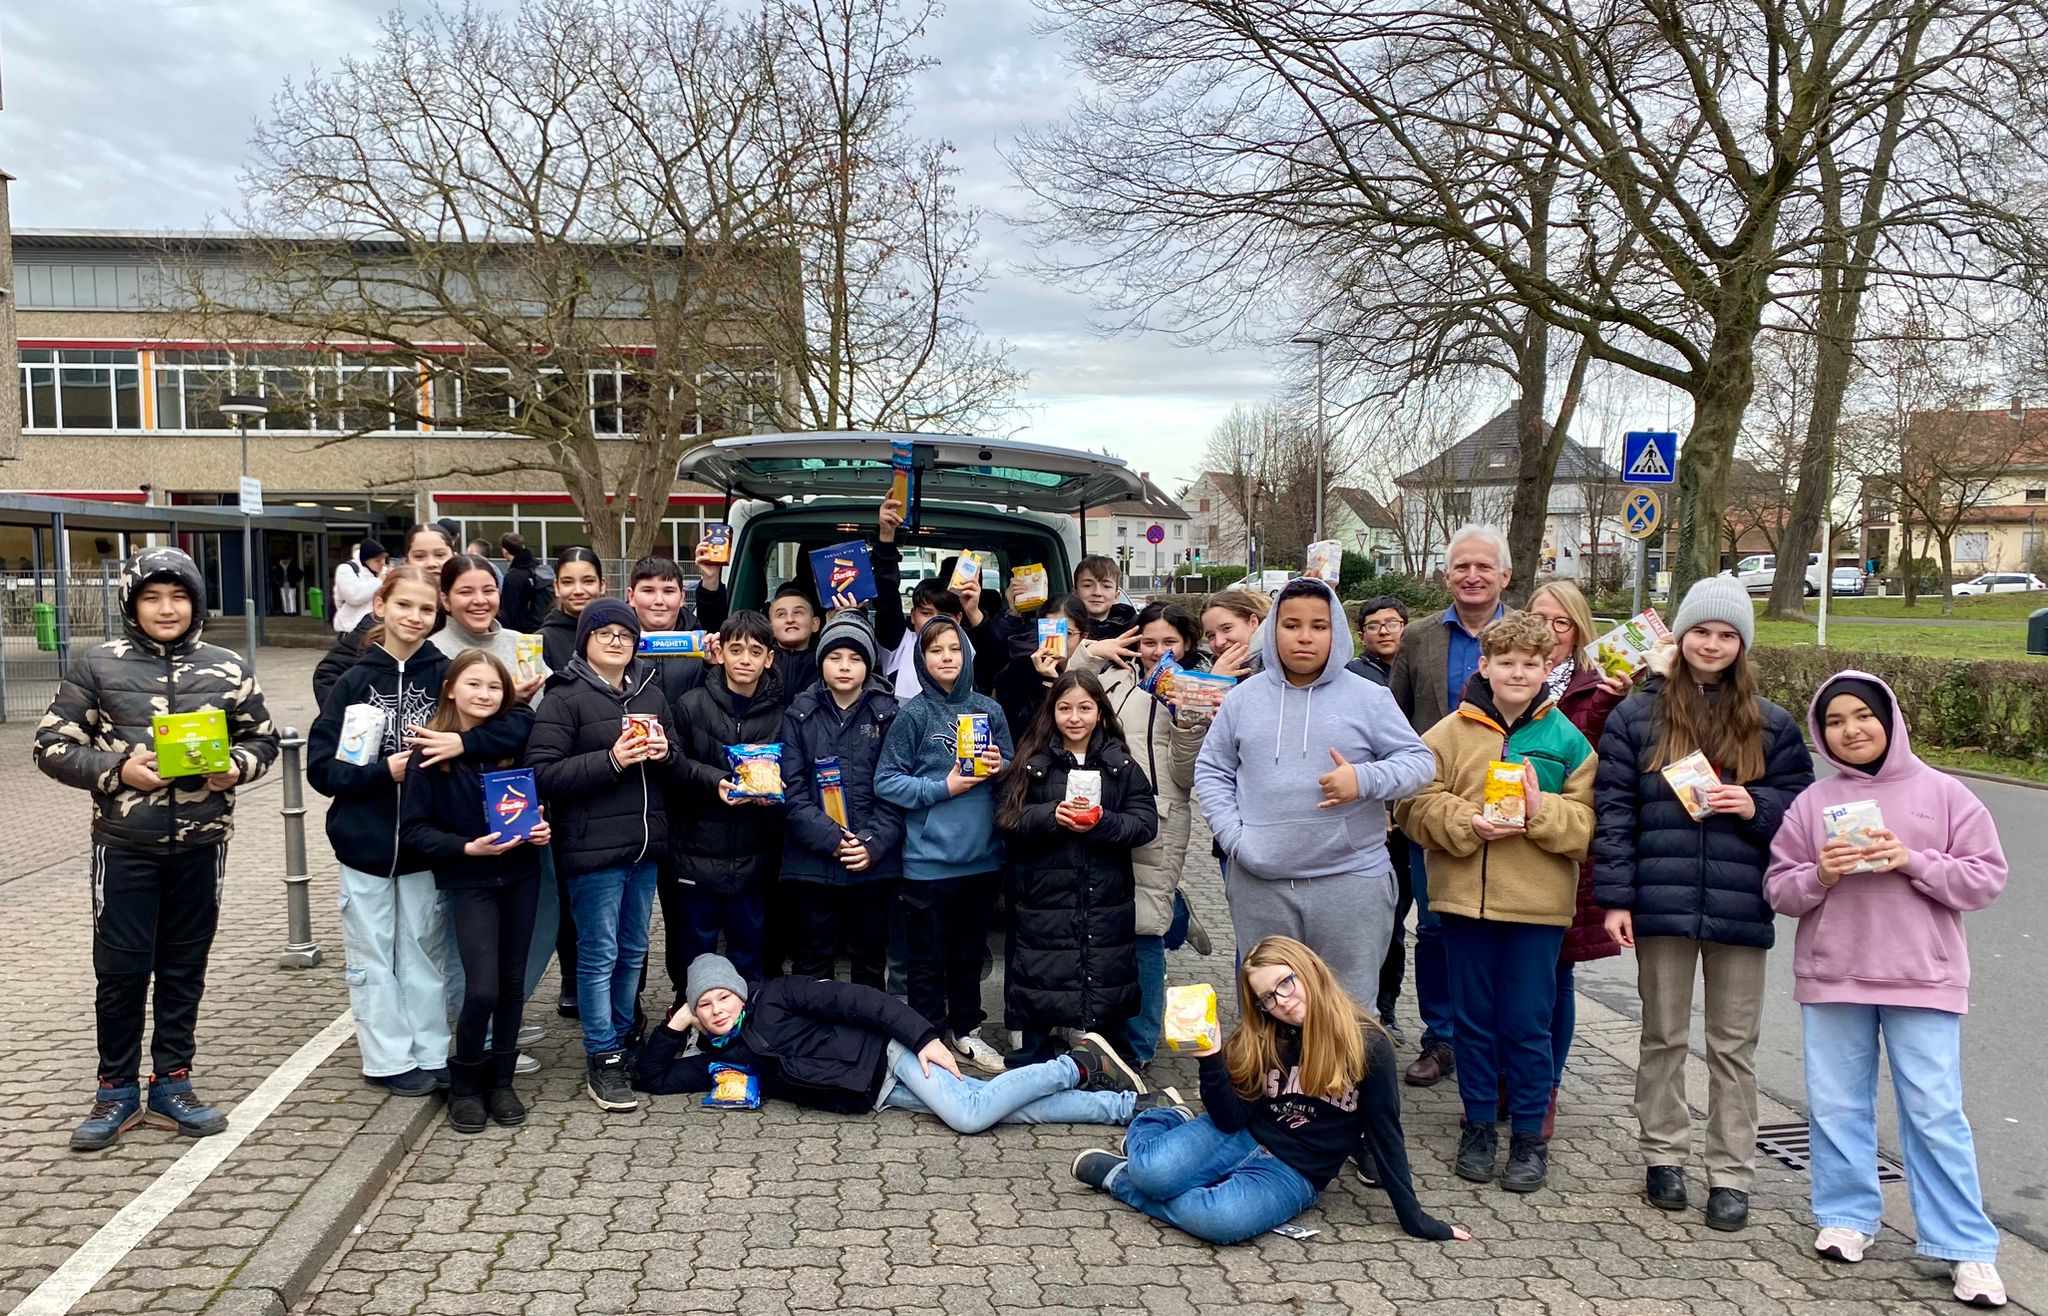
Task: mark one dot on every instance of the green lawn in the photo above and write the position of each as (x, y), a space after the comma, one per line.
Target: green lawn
(1978, 761)
(1984, 607)
(1931, 641)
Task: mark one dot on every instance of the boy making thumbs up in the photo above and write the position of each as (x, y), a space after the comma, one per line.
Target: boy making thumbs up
(1293, 777)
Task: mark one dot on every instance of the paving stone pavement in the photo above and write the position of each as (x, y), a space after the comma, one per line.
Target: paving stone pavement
(674, 1208)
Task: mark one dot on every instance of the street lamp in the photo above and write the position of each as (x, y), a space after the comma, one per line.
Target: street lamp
(1318, 342)
(242, 408)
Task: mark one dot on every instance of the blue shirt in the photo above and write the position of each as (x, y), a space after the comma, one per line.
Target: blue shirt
(1461, 654)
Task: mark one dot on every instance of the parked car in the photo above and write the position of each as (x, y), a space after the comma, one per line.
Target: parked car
(1265, 582)
(2000, 582)
(1759, 571)
(791, 493)
(1846, 582)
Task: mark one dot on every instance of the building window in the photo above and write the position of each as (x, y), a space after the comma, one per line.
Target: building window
(1178, 530)
(1972, 546)
(2037, 495)
(1204, 505)
(81, 389)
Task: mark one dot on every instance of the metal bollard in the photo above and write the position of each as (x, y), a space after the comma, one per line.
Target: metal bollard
(300, 950)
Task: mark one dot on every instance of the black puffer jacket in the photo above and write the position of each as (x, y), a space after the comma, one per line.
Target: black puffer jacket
(724, 849)
(1680, 878)
(1072, 959)
(813, 729)
(818, 1044)
(363, 824)
(522, 599)
(601, 816)
(557, 633)
(342, 655)
(443, 811)
(101, 718)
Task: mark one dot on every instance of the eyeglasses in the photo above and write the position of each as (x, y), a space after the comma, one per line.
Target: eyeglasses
(613, 639)
(1383, 627)
(1563, 625)
(1284, 990)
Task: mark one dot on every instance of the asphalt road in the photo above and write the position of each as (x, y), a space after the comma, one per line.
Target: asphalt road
(2005, 1064)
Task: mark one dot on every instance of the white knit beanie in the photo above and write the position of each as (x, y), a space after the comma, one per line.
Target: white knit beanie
(1717, 598)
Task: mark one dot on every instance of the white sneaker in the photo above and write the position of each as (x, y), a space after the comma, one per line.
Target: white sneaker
(1977, 1284)
(530, 1034)
(525, 1064)
(1839, 1244)
(977, 1053)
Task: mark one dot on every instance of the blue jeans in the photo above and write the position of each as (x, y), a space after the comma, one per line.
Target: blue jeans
(1220, 1187)
(1925, 1047)
(1432, 968)
(613, 907)
(1564, 1021)
(1503, 977)
(1034, 1094)
(1143, 1031)
(704, 915)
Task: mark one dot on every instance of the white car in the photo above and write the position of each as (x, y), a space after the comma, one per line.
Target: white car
(1757, 572)
(2000, 582)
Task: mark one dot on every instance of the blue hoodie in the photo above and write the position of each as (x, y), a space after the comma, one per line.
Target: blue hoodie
(944, 835)
(1257, 772)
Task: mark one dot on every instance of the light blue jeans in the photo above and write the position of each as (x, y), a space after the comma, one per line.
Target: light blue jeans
(1925, 1048)
(395, 940)
(1034, 1094)
(1220, 1187)
(613, 908)
(1145, 1026)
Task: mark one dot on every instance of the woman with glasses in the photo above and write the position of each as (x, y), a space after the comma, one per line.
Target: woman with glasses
(1305, 1081)
(601, 753)
(1585, 695)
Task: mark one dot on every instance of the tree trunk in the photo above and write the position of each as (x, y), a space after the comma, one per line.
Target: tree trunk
(1723, 394)
(1948, 572)
(1905, 552)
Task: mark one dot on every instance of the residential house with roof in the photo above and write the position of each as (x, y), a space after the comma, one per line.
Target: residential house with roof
(1123, 531)
(1985, 471)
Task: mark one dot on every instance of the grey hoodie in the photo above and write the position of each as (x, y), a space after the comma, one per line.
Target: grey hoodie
(1257, 772)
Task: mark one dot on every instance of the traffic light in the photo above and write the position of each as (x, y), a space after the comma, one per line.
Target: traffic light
(1198, 552)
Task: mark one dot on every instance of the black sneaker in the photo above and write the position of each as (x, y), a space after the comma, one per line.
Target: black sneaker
(1368, 1168)
(1727, 1209)
(1528, 1163)
(566, 1007)
(607, 1082)
(174, 1105)
(1112, 1073)
(1477, 1145)
(1664, 1185)
(1094, 1166)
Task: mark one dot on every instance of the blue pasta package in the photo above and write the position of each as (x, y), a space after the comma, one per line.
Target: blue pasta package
(845, 574)
(733, 1088)
(511, 803)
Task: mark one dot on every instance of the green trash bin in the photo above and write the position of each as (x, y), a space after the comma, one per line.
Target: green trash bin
(2037, 632)
(316, 603)
(44, 617)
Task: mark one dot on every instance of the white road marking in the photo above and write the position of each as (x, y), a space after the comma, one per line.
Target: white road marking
(103, 1251)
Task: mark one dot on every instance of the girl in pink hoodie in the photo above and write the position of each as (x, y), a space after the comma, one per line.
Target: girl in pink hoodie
(1880, 953)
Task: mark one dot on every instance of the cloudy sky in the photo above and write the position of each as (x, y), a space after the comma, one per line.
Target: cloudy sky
(134, 114)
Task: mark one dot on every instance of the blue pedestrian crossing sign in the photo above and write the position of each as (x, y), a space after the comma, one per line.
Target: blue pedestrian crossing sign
(1649, 457)
(1642, 513)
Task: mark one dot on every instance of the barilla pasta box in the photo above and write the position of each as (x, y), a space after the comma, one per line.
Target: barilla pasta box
(526, 651)
(845, 574)
(1507, 796)
(511, 803)
(1034, 586)
(191, 744)
(832, 790)
(903, 479)
(718, 544)
(1191, 1018)
(1052, 635)
(968, 568)
(674, 644)
(1855, 822)
(362, 734)
(639, 726)
(972, 738)
(1691, 778)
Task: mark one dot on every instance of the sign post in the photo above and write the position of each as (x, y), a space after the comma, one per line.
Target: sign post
(1647, 457)
(1641, 513)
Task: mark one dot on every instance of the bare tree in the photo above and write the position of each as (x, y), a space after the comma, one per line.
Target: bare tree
(1268, 458)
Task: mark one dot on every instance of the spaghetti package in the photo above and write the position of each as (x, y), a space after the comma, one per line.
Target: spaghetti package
(1326, 561)
(1084, 795)
(1200, 692)
(903, 479)
(718, 544)
(674, 644)
(1507, 796)
(732, 1088)
(756, 772)
(362, 734)
(637, 727)
(967, 569)
(845, 574)
(511, 803)
(1052, 635)
(1034, 587)
(1691, 778)
(1856, 822)
(1191, 1018)
(972, 737)
(526, 656)
(191, 744)
(832, 790)
(1160, 680)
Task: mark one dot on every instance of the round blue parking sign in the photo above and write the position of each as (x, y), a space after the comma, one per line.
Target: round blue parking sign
(1154, 533)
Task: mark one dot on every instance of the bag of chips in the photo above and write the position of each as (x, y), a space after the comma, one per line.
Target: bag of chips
(1191, 1018)
(732, 1088)
(756, 772)
(1507, 795)
(1034, 587)
(1159, 682)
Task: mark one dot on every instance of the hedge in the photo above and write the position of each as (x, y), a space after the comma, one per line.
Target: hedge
(1996, 706)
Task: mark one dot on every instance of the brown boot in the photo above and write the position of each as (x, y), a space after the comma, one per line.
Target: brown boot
(1432, 1067)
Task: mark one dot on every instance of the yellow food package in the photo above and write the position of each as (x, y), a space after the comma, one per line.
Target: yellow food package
(1191, 1018)
(527, 655)
(1507, 797)
(972, 737)
(1034, 587)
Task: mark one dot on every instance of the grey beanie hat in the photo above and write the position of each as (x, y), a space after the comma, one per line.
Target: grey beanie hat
(709, 972)
(849, 628)
(1717, 598)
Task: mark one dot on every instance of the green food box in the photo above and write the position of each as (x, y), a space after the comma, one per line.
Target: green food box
(191, 744)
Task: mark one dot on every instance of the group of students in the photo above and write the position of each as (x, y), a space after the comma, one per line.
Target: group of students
(1294, 774)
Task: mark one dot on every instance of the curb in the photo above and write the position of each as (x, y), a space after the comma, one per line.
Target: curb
(2000, 778)
(286, 1263)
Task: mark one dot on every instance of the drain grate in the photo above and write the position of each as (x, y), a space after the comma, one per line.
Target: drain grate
(1791, 1146)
